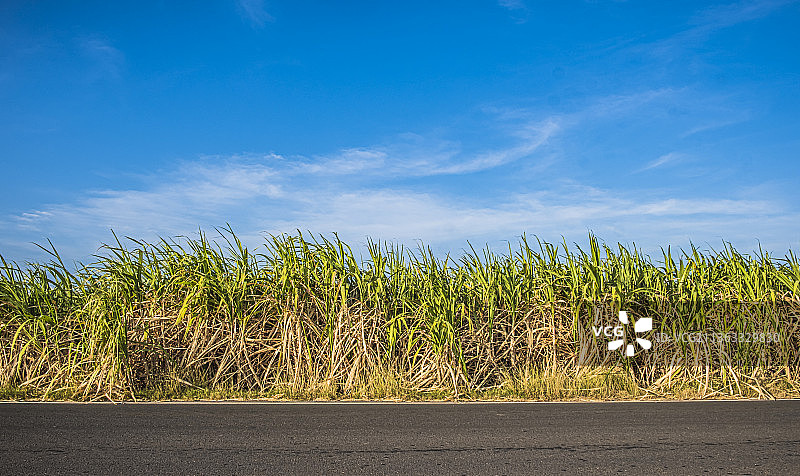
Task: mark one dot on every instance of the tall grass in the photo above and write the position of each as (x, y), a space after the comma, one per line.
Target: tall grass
(306, 318)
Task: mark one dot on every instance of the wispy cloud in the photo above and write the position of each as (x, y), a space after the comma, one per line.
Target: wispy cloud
(412, 155)
(405, 215)
(532, 136)
(623, 104)
(518, 9)
(662, 160)
(726, 15)
(710, 20)
(196, 194)
(348, 161)
(712, 125)
(388, 191)
(254, 12)
(262, 197)
(106, 61)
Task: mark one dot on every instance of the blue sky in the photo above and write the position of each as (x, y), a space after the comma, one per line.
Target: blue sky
(658, 123)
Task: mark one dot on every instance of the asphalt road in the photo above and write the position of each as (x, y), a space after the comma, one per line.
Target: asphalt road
(380, 438)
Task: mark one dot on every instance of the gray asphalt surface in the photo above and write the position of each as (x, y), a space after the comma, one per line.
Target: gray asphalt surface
(380, 438)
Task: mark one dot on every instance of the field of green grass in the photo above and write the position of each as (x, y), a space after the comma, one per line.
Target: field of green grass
(306, 318)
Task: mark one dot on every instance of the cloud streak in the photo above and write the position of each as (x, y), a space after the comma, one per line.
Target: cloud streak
(257, 198)
(398, 191)
(727, 15)
(665, 159)
(517, 9)
(208, 195)
(711, 20)
(105, 60)
(254, 12)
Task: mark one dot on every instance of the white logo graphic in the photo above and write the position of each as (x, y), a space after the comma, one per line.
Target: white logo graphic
(642, 325)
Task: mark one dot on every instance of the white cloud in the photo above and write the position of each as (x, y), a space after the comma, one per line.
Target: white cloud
(415, 156)
(105, 61)
(254, 12)
(517, 9)
(447, 223)
(255, 198)
(661, 161)
(707, 127)
(533, 137)
(512, 4)
(623, 104)
(726, 15)
(710, 20)
(348, 161)
(197, 194)
(354, 192)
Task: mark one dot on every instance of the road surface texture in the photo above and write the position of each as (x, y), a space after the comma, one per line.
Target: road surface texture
(746, 437)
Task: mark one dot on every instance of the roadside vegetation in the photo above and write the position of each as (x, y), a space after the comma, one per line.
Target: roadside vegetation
(305, 318)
